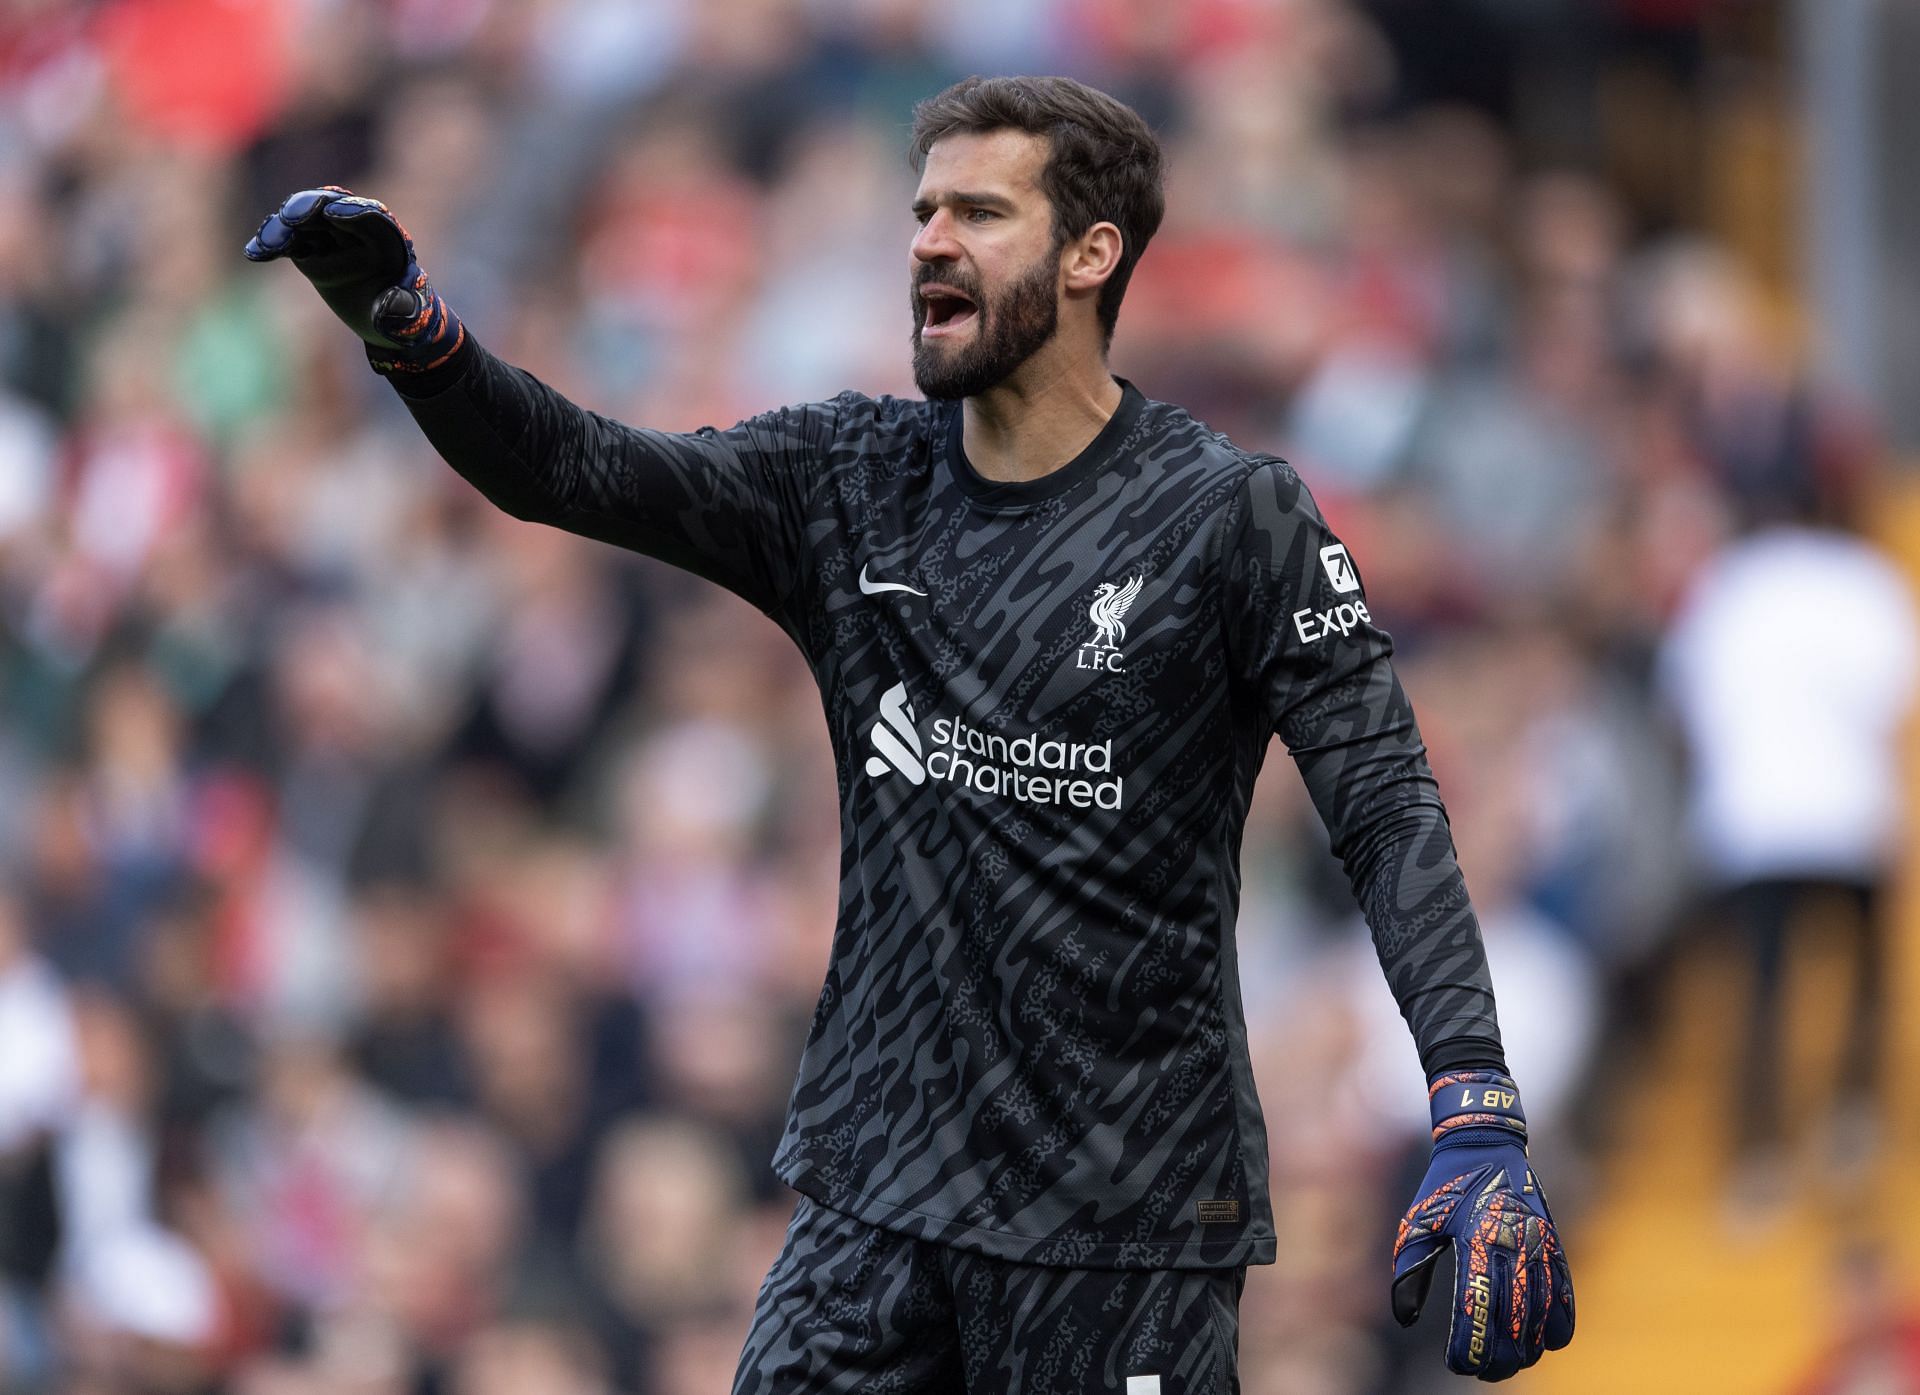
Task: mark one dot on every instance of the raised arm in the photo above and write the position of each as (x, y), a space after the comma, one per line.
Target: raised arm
(727, 505)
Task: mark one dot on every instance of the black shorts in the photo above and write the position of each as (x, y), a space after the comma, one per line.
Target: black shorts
(850, 1307)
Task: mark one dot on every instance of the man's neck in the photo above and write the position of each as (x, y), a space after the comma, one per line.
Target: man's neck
(1039, 419)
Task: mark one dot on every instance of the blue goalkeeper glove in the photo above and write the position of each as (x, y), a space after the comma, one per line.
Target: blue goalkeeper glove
(361, 261)
(1512, 1292)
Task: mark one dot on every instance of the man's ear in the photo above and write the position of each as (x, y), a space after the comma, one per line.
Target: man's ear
(1091, 258)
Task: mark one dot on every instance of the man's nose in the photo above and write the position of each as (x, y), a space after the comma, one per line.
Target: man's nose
(935, 242)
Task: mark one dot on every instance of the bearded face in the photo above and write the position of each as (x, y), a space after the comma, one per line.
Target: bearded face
(967, 339)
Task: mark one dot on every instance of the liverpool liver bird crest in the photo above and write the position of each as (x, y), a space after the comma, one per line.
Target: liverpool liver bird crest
(1110, 603)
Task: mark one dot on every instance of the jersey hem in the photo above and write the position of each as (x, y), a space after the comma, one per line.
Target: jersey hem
(1068, 1251)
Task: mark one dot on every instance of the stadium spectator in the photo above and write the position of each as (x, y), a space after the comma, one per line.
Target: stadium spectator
(1791, 667)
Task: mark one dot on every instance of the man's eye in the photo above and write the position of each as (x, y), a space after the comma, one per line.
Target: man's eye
(980, 215)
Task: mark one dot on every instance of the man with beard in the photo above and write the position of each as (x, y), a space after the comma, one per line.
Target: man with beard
(1054, 624)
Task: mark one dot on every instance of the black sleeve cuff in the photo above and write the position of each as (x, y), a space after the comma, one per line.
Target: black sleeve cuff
(1464, 1053)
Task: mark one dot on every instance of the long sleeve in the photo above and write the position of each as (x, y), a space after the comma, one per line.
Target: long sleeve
(1307, 652)
(727, 505)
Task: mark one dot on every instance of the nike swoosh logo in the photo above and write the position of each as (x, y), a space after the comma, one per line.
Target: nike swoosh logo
(869, 587)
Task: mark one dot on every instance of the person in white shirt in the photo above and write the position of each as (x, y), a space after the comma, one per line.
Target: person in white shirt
(1791, 668)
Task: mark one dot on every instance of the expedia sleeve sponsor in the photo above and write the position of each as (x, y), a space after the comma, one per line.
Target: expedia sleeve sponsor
(1337, 572)
(1297, 614)
(1315, 625)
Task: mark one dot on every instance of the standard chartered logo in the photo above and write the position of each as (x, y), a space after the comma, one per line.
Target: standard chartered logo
(1027, 768)
(896, 744)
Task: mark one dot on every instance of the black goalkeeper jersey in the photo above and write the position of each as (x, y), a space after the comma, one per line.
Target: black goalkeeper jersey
(1048, 702)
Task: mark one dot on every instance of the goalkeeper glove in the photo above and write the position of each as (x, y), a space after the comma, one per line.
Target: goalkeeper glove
(1512, 1292)
(361, 261)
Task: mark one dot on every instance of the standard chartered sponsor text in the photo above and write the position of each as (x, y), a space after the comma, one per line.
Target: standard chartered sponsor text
(994, 764)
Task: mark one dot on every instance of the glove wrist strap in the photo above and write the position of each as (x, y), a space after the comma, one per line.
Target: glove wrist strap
(1475, 1099)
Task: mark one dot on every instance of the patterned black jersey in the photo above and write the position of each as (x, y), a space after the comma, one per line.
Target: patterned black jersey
(1048, 702)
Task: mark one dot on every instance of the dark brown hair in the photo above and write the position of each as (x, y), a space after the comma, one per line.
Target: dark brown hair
(1103, 161)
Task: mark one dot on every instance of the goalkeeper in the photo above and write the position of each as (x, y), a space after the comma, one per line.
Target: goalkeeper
(1054, 624)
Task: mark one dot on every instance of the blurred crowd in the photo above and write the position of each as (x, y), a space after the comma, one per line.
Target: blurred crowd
(409, 918)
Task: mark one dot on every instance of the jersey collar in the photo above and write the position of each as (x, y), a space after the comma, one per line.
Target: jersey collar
(1021, 493)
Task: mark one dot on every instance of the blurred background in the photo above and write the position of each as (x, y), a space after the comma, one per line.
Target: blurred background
(409, 918)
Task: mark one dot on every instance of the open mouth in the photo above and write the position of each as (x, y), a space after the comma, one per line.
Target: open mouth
(945, 308)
